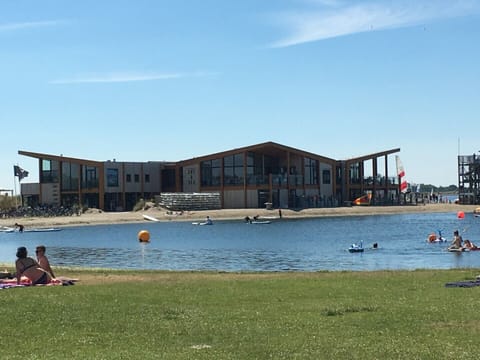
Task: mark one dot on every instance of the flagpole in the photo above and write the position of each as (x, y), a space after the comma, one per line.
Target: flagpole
(15, 191)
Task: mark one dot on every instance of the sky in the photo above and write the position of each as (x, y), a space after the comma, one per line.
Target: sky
(154, 80)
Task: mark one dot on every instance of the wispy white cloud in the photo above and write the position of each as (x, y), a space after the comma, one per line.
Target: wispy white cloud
(331, 18)
(128, 77)
(29, 25)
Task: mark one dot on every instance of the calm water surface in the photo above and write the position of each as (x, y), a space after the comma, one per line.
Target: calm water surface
(286, 245)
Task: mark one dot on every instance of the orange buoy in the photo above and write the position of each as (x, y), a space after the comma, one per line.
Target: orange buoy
(143, 236)
(460, 214)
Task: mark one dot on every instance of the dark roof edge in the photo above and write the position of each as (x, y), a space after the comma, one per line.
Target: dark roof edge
(58, 157)
(257, 146)
(373, 155)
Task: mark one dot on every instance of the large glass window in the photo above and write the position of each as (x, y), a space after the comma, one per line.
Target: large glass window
(49, 172)
(255, 174)
(311, 173)
(354, 173)
(326, 177)
(233, 169)
(211, 172)
(112, 177)
(70, 176)
(89, 177)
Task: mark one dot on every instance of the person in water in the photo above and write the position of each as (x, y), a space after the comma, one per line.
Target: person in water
(457, 241)
(208, 221)
(43, 260)
(467, 244)
(29, 268)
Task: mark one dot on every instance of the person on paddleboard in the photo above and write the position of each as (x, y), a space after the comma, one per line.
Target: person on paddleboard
(457, 241)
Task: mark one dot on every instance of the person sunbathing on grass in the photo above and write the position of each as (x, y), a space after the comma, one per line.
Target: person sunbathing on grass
(29, 268)
(43, 260)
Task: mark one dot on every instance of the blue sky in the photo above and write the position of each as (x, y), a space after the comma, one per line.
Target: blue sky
(170, 80)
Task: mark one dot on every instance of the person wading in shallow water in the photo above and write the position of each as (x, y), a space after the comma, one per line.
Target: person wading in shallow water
(20, 227)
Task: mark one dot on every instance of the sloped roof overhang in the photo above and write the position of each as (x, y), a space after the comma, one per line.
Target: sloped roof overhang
(270, 148)
(60, 158)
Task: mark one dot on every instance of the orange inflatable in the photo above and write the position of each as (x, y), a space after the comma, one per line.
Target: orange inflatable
(143, 236)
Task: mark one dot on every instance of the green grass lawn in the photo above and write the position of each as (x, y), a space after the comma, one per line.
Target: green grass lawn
(325, 315)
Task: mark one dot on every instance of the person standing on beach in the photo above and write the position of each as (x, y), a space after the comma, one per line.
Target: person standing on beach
(43, 260)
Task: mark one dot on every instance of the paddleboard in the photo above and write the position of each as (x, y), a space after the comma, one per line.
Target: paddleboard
(11, 230)
(42, 230)
(150, 218)
(457, 250)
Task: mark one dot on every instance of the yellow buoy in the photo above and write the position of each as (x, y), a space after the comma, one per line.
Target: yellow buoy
(143, 236)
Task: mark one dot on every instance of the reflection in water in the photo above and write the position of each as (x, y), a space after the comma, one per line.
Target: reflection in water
(290, 245)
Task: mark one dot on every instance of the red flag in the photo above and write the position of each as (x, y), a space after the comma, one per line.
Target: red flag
(401, 175)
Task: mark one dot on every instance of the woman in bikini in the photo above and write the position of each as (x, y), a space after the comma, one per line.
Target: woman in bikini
(43, 260)
(28, 267)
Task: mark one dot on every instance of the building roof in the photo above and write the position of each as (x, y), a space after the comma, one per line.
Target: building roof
(266, 147)
(60, 158)
(372, 156)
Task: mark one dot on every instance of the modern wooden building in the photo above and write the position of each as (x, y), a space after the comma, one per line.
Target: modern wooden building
(266, 174)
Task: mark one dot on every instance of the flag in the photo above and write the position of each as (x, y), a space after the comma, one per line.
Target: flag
(18, 171)
(401, 175)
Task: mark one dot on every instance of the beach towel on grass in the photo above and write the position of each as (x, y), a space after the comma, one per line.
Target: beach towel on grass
(24, 281)
(466, 283)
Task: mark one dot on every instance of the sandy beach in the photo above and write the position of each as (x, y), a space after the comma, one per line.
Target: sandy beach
(96, 217)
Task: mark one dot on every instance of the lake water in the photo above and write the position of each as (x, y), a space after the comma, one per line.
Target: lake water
(286, 245)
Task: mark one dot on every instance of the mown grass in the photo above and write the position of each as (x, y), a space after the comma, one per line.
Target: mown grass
(325, 315)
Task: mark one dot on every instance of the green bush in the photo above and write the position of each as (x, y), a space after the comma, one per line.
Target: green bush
(9, 202)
